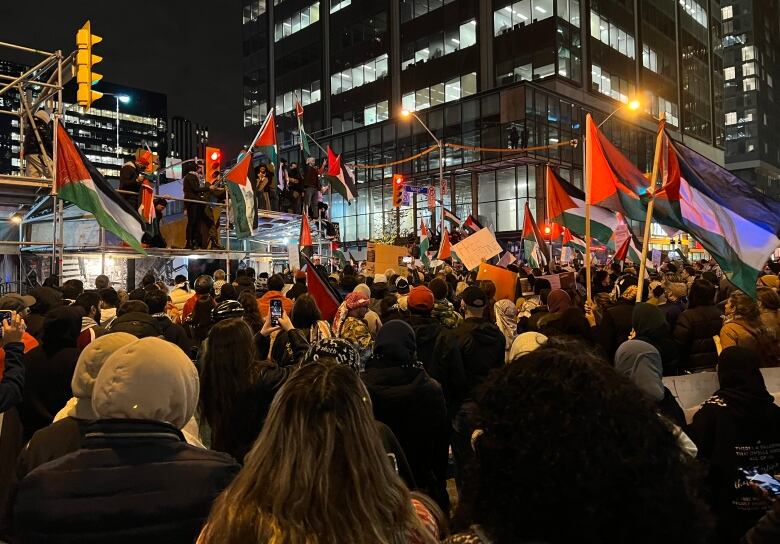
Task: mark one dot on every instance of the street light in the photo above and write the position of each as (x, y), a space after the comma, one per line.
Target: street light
(406, 114)
(124, 99)
(548, 230)
(632, 105)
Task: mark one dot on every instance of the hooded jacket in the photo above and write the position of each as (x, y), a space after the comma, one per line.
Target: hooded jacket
(445, 313)
(693, 334)
(650, 325)
(737, 429)
(135, 478)
(138, 324)
(481, 347)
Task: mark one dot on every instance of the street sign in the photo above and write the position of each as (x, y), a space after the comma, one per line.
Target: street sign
(416, 189)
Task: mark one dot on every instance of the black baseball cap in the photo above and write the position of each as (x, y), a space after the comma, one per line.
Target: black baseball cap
(474, 296)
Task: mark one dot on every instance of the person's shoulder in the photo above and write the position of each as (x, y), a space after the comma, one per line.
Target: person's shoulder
(465, 538)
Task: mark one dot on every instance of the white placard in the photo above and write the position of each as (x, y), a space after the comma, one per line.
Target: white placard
(480, 245)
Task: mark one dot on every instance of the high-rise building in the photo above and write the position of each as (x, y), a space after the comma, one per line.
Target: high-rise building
(751, 40)
(187, 139)
(143, 120)
(490, 73)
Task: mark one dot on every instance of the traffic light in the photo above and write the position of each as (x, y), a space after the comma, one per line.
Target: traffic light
(398, 190)
(85, 60)
(213, 163)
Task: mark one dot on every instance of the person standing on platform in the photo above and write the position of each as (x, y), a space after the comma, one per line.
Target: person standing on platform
(311, 187)
(196, 212)
(36, 166)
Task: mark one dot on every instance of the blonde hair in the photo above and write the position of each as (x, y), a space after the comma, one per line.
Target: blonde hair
(318, 473)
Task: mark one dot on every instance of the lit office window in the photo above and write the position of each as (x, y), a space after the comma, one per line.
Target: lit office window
(376, 113)
(749, 52)
(750, 84)
(731, 118)
(253, 10)
(727, 12)
(522, 13)
(336, 6)
(298, 21)
(307, 95)
(449, 91)
(695, 10)
(749, 69)
(439, 44)
(649, 58)
(357, 76)
(612, 35)
(569, 10)
(611, 85)
(415, 8)
(729, 73)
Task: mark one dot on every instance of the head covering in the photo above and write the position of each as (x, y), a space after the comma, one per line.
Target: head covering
(380, 278)
(769, 280)
(363, 289)
(352, 301)
(61, 328)
(147, 379)
(396, 344)
(623, 287)
(87, 367)
(526, 343)
(420, 298)
(474, 296)
(647, 319)
(402, 286)
(506, 319)
(641, 363)
(336, 348)
(558, 300)
(742, 385)
(16, 302)
(46, 298)
(678, 290)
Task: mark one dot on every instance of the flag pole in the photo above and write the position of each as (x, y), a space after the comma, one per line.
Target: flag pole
(586, 172)
(649, 215)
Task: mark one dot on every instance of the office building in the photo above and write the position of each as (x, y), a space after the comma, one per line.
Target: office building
(187, 139)
(143, 120)
(491, 73)
(751, 40)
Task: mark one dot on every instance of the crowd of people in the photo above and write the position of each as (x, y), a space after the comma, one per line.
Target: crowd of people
(425, 410)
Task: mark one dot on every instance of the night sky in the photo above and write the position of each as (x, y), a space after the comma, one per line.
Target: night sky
(187, 49)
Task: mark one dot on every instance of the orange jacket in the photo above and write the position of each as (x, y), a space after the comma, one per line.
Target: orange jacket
(263, 302)
(29, 342)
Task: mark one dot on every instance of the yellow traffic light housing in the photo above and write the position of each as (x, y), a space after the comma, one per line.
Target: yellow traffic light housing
(85, 60)
(398, 190)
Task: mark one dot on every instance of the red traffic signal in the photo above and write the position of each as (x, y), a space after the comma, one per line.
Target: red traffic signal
(398, 190)
(213, 163)
(215, 155)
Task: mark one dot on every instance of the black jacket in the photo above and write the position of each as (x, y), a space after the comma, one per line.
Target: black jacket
(297, 290)
(439, 354)
(136, 323)
(47, 386)
(412, 404)
(615, 327)
(481, 345)
(12, 385)
(31, 146)
(132, 481)
(174, 333)
(693, 334)
(192, 188)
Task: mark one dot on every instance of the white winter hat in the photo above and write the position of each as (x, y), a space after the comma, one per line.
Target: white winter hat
(380, 278)
(147, 379)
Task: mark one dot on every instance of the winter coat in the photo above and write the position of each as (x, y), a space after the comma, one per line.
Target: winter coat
(693, 334)
(138, 324)
(12, 384)
(31, 146)
(615, 327)
(481, 346)
(173, 333)
(408, 401)
(264, 301)
(297, 290)
(440, 356)
(47, 386)
(771, 321)
(132, 481)
(179, 296)
(739, 332)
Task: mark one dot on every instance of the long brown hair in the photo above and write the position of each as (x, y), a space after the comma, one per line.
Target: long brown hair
(230, 367)
(317, 473)
(251, 310)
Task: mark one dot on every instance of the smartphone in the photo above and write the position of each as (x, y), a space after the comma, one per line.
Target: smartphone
(276, 311)
(5, 315)
(765, 481)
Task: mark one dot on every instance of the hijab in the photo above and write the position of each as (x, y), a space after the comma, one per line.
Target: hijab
(506, 319)
(354, 303)
(648, 320)
(558, 300)
(343, 351)
(396, 345)
(641, 363)
(741, 382)
(526, 343)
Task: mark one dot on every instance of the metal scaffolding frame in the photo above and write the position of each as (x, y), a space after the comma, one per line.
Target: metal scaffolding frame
(42, 86)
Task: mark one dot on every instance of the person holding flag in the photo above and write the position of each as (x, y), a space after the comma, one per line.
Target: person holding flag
(424, 243)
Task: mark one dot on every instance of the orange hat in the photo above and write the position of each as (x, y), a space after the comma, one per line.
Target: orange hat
(420, 298)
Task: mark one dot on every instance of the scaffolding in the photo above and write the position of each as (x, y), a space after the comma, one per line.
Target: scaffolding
(35, 198)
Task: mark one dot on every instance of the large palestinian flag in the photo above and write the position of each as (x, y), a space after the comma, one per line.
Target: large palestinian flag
(534, 246)
(80, 183)
(566, 206)
(242, 196)
(736, 224)
(340, 177)
(265, 141)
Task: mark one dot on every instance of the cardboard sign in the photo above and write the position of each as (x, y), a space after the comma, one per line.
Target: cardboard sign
(472, 250)
(380, 257)
(564, 280)
(657, 255)
(504, 279)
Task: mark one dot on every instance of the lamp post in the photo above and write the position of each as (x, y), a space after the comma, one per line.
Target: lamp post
(548, 230)
(406, 114)
(124, 99)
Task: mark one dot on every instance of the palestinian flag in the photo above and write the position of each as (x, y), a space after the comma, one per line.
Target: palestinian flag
(623, 236)
(338, 255)
(340, 177)
(615, 183)
(572, 241)
(301, 133)
(305, 238)
(622, 251)
(534, 246)
(736, 224)
(471, 225)
(451, 217)
(566, 206)
(445, 249)
(327, 299)
(424, 244)
(80, 183)
(265, 141)
(242, 196)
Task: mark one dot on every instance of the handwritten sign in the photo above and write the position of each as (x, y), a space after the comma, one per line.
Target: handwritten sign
(473, 249)
(657, 255)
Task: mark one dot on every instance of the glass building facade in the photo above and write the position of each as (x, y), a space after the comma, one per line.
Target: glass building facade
(491, 73)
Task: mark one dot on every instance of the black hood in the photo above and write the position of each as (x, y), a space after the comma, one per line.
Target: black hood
(482, 331)
(138, 324)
